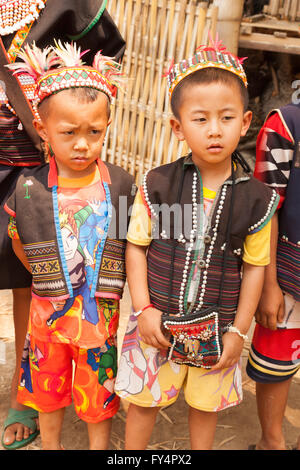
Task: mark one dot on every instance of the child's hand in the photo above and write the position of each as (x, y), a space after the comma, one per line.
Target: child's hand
(149, 323)
(270, 309)
(232, 350)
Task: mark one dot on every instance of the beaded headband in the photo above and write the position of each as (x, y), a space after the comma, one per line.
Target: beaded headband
(215, 55)
(60, 68)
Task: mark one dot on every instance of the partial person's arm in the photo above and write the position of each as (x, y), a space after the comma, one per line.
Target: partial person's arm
(20, 253)
(256, 259)
(270, 310)
(251, 288)
(274, 155)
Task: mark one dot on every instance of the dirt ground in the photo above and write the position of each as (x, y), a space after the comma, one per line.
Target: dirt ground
(237, 427)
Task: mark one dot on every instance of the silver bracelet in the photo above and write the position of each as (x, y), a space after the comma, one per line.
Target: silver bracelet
(234, 329)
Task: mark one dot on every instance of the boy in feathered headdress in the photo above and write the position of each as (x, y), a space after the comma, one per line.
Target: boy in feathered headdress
(189, 266)
(66, 230)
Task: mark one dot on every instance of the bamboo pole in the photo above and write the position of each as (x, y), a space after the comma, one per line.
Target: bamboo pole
(201, 22)
(286, 9)
(274, 7)
(293, 10)
(230, 15)
(214, 20)
(146, 144)
(190, 29)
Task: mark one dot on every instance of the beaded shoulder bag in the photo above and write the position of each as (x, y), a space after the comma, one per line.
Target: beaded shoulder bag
(197, 338)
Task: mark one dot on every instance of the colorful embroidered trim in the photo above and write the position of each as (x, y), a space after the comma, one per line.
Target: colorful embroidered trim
(112, 273)
(103, 239)
(22, 34)
(195, 342)
(73, 78)
(60, 241)
(45, 269)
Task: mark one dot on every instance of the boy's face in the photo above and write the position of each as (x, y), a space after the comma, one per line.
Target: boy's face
(75, 129)
(212, 120)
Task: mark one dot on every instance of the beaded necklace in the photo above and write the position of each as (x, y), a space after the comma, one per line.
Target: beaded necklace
(16, 14)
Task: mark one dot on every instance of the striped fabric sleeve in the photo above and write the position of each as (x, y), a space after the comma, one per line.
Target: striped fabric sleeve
(274, 154)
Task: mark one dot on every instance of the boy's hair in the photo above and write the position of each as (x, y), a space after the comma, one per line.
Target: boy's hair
(86, 95)
(83, 95)
(207, 76)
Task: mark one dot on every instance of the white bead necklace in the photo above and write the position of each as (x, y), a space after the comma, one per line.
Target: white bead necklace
(211, 247)
(190, 245)
(16, 14)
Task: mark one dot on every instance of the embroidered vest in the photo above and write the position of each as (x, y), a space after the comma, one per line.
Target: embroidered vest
(34, 204)
(288, 251)
(254, 205)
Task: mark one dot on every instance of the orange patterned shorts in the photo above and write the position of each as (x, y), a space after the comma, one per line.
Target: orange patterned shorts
(48, 380)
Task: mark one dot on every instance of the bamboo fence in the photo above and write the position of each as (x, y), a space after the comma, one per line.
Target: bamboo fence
(140, 137)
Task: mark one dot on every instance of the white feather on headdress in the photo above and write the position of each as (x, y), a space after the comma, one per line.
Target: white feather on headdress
(35, 61)
(109, 68)
(68, 54)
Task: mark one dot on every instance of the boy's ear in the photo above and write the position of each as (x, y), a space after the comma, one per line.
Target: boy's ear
(177, 129)
(40, 129)
(246, 122)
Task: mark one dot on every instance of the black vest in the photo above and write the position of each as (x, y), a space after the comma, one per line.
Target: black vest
(254, 205)
(38, 227)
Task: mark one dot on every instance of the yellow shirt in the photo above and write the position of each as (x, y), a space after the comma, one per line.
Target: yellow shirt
(256, 246)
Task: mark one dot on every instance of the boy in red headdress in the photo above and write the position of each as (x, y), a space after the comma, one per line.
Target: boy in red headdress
(65, 229)
(23, 22)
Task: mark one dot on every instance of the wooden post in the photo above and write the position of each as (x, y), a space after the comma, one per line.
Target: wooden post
(274, 7)
(294, 7)
(201, 22)
(286, 9)
(228, 27)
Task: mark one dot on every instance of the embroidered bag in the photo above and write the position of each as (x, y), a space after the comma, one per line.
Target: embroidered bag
(196, 338)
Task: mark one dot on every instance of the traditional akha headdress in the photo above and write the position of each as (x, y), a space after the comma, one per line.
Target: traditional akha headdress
(215, 55)
(60, 68)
